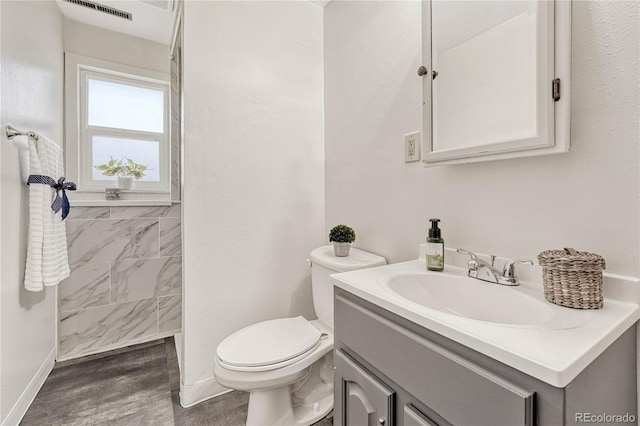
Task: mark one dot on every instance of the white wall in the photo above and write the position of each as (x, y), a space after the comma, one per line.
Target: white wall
(253, 170)
(31, 68)
(587, 199)
(99, 43)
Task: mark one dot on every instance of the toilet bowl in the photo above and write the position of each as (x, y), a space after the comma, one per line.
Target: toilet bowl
(273, 399)
(287, 363)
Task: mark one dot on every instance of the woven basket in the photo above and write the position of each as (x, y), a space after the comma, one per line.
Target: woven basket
(572, 278)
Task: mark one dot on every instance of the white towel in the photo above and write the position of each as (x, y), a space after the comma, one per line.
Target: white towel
(47, 257)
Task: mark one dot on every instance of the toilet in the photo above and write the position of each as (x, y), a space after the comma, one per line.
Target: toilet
(287, 363)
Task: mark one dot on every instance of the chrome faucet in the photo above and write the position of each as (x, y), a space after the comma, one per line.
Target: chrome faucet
(485, 271)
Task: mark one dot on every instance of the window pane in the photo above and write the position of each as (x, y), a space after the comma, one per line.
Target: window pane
(141, 151)
(125, 107)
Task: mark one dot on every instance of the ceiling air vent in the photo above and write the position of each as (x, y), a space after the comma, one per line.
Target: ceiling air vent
(100, 8)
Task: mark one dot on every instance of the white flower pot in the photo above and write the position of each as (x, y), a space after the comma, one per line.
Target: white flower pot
(125, 182)
(341, 249)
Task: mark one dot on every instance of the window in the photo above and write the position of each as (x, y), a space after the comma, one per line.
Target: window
(120, 112)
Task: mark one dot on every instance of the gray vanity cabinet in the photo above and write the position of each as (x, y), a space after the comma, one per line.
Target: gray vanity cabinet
(392, 372)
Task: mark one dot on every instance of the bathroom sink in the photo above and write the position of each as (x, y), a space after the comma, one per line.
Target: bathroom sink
(513, 325)
(469, 298)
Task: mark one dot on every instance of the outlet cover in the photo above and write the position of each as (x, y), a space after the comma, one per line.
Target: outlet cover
(412, 147)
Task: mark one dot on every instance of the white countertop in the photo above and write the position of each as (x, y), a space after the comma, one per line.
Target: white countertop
(554, 353)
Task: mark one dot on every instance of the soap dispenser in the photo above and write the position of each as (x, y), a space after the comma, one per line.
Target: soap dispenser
(435, 248)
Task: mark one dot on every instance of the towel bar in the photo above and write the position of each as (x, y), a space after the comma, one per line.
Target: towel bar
(12, 132)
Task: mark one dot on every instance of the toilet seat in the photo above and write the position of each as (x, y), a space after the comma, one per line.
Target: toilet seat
(269, 345)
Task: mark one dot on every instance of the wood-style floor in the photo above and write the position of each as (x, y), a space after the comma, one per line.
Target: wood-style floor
(133, 386)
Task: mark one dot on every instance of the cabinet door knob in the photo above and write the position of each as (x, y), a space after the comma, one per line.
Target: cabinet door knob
(422, 71)
(381, 420)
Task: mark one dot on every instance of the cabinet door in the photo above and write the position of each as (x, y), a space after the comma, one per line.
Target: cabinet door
(361, 400)
(413, 417)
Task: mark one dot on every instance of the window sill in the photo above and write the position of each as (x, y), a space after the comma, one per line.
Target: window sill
(101, 191)
(121, 203)
(127, 198)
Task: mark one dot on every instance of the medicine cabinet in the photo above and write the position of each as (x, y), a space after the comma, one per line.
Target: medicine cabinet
(495, 79)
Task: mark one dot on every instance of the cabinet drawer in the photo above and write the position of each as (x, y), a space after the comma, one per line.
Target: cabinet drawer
(460, 391)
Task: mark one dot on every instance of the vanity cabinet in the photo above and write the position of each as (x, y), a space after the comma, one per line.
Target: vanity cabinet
(392, 372)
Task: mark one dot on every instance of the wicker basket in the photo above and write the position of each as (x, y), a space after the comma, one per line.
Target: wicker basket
(572, 278)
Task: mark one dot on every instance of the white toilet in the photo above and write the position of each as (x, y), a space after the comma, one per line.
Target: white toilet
(287, 363)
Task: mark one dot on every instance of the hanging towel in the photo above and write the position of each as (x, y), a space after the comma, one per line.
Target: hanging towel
(47, 257)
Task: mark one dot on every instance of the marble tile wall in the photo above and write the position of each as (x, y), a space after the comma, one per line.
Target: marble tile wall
(126, 278)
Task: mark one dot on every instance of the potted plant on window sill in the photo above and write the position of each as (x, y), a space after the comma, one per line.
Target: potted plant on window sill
(126, 171)
(342, 236)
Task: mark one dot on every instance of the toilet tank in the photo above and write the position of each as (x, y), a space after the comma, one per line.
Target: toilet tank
(324, 263)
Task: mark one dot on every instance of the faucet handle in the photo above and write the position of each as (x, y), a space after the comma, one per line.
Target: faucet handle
(470, 253)
(510, 267)
(472, 264)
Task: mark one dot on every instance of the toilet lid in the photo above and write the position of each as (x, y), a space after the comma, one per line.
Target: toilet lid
(269, 342)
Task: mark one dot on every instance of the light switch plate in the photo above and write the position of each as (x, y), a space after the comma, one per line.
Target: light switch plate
(412, 147)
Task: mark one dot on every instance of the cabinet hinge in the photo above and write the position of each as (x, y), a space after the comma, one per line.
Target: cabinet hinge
(555, 89)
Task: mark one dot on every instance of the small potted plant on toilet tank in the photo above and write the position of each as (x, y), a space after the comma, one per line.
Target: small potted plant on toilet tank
(342, 236)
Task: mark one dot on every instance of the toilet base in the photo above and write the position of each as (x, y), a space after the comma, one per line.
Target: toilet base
(300, 404)
(273, 407)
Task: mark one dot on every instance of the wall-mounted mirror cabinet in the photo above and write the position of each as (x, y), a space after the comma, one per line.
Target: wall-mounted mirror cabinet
(495, 78)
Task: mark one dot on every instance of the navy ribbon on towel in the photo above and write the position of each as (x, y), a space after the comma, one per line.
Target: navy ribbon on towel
(59, 186)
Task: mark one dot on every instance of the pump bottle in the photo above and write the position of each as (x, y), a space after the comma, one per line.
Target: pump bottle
(435, 248)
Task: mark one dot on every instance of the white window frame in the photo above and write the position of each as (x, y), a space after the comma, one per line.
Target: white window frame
(78, 147)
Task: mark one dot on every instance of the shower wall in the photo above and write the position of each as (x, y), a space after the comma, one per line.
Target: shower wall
(126, 278)
(126, 262)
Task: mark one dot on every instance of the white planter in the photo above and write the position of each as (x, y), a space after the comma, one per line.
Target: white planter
(341, 249)
(125, 182)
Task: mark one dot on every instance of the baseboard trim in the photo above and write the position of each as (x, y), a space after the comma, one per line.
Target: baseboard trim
(23, 403)
(196, 393)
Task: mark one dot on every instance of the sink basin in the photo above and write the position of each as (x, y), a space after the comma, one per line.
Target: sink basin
(469, 298)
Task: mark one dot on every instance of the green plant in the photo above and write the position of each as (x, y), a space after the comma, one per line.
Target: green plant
(111, 168)
(342, 234)
(120, 168)
(134, 170)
